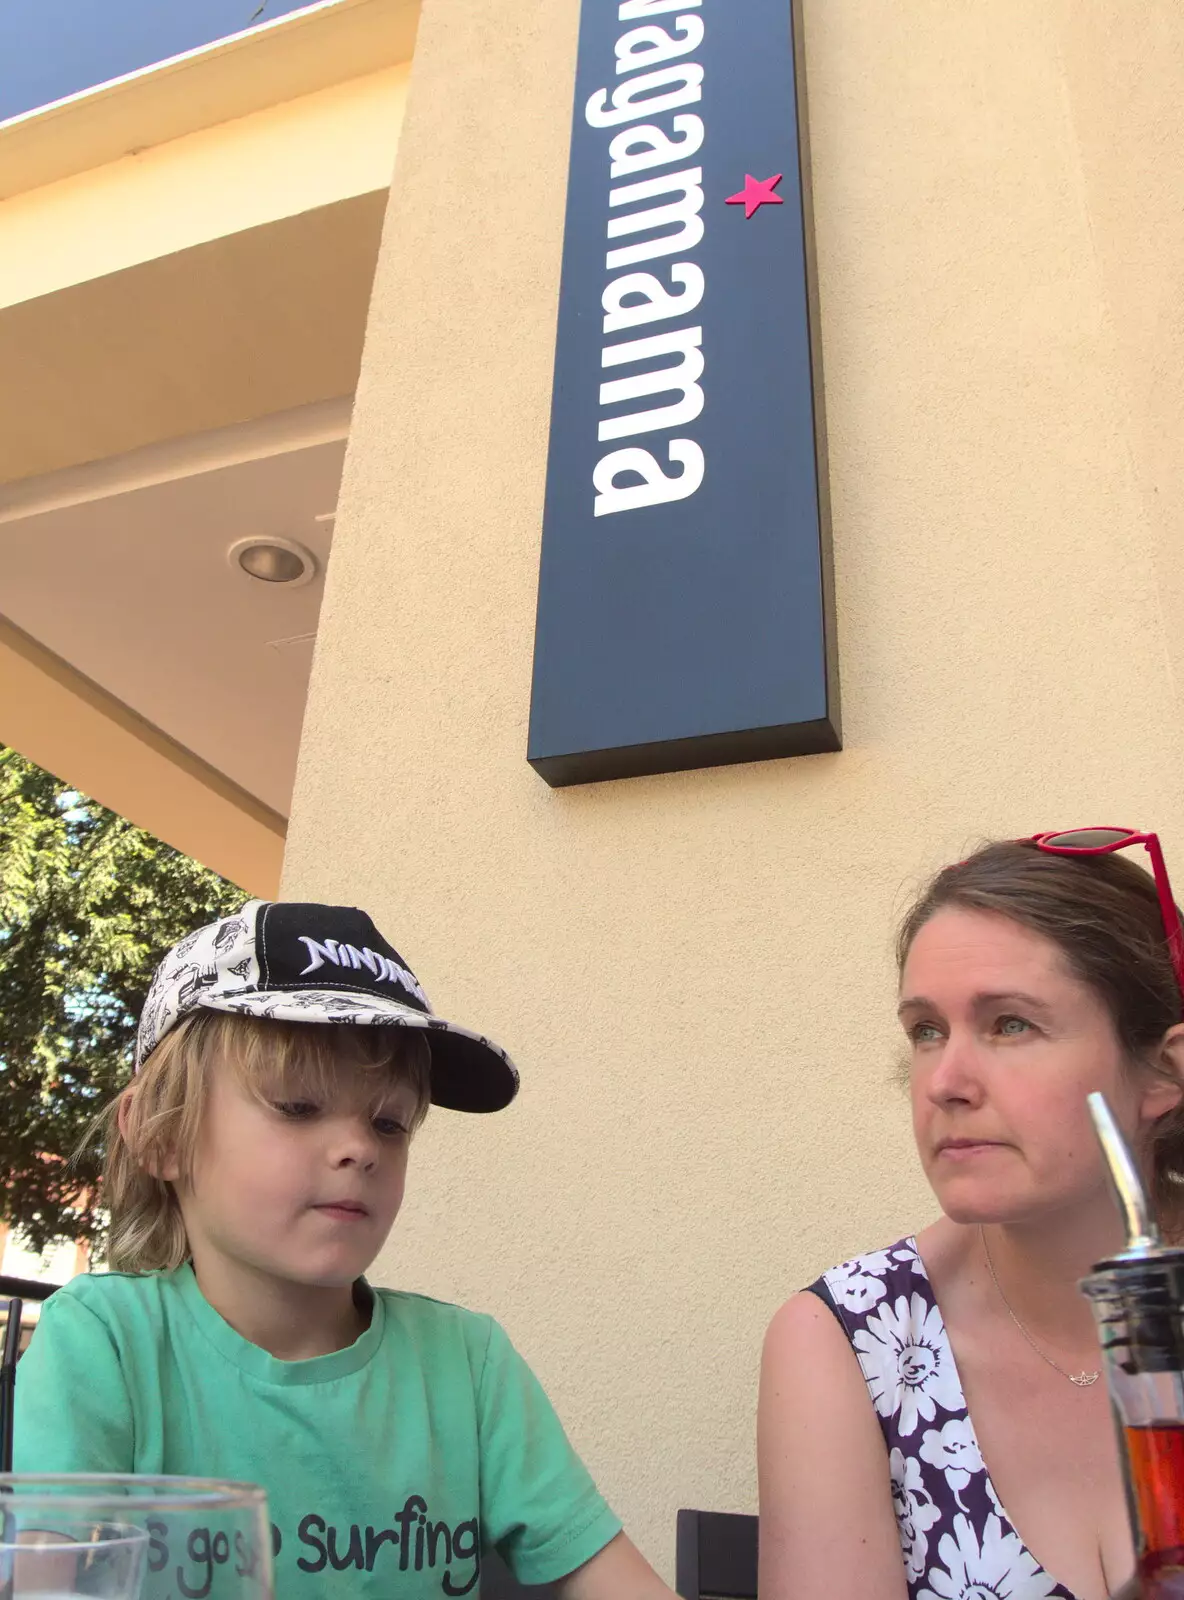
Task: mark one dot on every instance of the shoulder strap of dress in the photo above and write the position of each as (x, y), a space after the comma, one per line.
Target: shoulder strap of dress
(819, 1288)
(856, 1286)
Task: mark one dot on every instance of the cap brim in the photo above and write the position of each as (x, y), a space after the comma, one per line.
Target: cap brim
(469, 1072)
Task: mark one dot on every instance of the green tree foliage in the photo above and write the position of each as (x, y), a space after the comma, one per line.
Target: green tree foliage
(88, 906)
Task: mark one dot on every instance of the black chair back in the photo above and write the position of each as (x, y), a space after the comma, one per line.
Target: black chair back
(715, 1555)
(499, 1583)
(18, 1290)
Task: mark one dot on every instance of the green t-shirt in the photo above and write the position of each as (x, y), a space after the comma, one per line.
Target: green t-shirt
(388, 1465)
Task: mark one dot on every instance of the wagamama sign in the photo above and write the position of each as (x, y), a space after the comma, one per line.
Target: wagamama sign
(671, 207)
(685, 613)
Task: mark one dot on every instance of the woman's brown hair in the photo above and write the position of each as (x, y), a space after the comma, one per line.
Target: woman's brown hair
(1103, 915)
(166, 1105)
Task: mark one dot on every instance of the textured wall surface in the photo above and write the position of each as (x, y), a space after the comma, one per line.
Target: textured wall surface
(694, 971)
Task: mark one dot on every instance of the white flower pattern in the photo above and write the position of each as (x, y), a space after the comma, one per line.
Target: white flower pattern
(956, 1541)
(858, 1285)
(997, 1569)
(915, 1511)
(954, 1449)
(858, 1291)
(907, 1362)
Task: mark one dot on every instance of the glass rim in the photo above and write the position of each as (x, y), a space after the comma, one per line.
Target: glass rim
(77, 1489)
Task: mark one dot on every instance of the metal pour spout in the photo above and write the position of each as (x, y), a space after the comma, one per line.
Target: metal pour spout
(1142, 1235)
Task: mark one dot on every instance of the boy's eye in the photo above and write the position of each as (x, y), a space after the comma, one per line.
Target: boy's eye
(390, 1127)
(295, 1110)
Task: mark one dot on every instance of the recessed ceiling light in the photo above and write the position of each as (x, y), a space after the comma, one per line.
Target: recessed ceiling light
(273, 560)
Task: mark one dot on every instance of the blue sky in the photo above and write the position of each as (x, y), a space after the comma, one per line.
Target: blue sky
(52, 48)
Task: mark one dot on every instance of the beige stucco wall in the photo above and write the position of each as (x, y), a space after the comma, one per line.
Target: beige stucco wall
(693, 971)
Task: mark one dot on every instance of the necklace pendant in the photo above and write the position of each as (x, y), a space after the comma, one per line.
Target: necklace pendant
(1084, 1380)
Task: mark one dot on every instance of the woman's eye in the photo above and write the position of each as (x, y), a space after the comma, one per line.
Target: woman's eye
(1013, 1027)
(924, 1032)
(295, 1110)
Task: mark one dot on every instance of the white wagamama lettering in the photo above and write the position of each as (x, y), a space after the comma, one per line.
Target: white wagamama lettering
(666, 229)
(645, 47)
(656, 487)
(637, 149)
(682, 376)
(625, 107)
(632, 9)
(682, 215)
(657, 302)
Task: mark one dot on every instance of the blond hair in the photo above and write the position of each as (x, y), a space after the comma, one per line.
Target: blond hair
(166, 1104)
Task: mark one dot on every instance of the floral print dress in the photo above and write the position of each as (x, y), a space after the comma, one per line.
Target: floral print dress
(955, 1538)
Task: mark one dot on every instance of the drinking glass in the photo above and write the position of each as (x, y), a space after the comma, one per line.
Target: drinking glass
(101, 1537)
(59, 1558)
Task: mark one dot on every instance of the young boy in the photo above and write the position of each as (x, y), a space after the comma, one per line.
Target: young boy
(255, 1167)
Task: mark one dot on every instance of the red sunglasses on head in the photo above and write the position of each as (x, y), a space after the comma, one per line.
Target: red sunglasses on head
(1103, 842)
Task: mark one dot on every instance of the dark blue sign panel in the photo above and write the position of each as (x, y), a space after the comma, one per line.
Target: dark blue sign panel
(685, 614)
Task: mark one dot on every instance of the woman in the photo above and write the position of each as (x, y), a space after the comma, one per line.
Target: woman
(933, 1422)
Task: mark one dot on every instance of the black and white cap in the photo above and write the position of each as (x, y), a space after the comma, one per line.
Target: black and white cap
(311, 963)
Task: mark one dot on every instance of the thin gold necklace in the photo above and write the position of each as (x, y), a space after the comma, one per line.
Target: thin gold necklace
(1083, 1380)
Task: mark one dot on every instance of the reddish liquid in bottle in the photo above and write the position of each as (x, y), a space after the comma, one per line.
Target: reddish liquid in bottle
(1156, 1454)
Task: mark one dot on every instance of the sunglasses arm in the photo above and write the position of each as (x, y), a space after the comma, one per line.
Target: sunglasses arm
(1167, 907)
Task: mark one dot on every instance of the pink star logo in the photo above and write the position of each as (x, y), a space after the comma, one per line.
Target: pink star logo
(756, 192)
